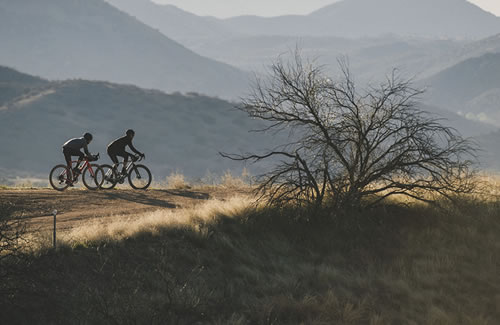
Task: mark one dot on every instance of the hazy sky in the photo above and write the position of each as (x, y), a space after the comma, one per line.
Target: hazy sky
(228, 8)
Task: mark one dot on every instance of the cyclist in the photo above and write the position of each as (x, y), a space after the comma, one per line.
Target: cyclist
(117, 148)
(73, 147)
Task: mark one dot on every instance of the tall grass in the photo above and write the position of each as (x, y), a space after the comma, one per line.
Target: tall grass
(235, 262)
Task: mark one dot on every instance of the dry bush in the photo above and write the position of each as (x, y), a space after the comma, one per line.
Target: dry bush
(228, 180)
(177, 181)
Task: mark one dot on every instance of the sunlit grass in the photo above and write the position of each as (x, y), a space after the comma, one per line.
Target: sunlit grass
(234, 262)
(123, 227)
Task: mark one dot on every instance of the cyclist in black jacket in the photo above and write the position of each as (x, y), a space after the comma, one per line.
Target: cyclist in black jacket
(73, 147)
(117, 148)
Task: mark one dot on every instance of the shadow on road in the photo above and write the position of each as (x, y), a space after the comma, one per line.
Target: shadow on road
(137, 197)
(188, 194)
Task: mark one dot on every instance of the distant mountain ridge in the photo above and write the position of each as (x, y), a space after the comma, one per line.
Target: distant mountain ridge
(60, 39)
(369, 18)
(179, 25)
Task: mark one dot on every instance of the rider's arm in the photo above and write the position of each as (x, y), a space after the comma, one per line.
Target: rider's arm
(134, 149)
(86, 149)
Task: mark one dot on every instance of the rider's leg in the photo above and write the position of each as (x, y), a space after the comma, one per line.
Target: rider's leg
(67, 158)
(113, 157)
(80, 155)
(125, 162)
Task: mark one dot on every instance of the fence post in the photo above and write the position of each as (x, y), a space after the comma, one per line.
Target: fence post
(54, 213)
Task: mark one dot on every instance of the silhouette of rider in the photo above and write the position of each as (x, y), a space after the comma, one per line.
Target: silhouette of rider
(117, 148)
(72, 148)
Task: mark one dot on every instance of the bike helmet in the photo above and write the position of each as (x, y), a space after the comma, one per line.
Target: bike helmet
(87, 136)
(130, 132)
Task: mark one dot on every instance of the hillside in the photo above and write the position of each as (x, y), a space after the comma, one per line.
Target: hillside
(228, 261)
(177, 132)
(186, 28)
(370, 58)
(471, 87)
(361, 18)
(14, 84)
(60, 39)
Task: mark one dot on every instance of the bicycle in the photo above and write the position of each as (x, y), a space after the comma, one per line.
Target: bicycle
(139, 176)
(60, 181)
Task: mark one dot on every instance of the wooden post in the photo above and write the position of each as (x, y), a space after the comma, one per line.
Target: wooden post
(54, 213)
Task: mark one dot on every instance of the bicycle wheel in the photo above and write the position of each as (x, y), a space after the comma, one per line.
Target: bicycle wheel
(58, 177)
(139, 177)
(93, 177)
(109, 178)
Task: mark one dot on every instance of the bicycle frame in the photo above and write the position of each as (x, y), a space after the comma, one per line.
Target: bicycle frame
(85, 164)
(61, 176)
(129, 165)
(139, 176)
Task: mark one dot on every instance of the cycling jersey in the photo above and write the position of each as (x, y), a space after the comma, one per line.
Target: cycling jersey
(118, 145)
(77, 144)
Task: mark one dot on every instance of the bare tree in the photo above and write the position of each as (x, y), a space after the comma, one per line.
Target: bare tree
(351, 147)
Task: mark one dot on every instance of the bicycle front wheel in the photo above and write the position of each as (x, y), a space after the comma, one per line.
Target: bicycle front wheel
(109, 178)
(93, 177)
(139, 177)
(59, 177)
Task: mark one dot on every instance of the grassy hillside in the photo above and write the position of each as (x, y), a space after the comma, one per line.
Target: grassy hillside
(14, 84)
(228, 262)
(177, 132)
(60, 39)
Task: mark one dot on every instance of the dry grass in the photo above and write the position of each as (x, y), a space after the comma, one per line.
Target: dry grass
(98, 232)
(228, 180)
(154, 222)
(231, 181)
(232, 262)
(177, 181)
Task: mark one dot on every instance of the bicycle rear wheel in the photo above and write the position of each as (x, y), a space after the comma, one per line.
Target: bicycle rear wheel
(93, 177)
(109, 177)
(139, 177)
(58, 177)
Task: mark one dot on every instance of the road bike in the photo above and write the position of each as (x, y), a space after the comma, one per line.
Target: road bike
(139, 176)
(92, 174)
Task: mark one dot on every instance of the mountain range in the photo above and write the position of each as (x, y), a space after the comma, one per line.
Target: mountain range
(177, 132)
(420, 38)
(368, 18)
(155, 47)
(182, 26)
(60, 39)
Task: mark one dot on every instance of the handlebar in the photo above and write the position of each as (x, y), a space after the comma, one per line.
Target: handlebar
(92, 157)
(139, 158)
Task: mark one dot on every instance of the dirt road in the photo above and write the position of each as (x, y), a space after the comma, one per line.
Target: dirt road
(78, 206)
